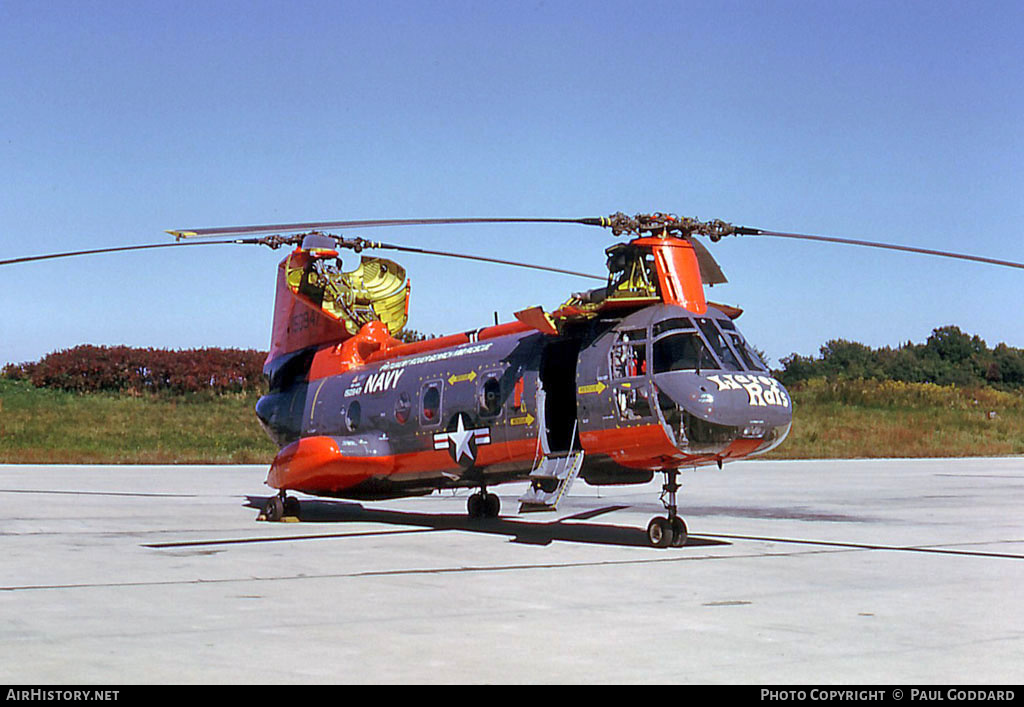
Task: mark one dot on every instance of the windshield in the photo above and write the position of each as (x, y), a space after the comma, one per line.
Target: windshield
(717, 342)
(750, 358)
(682, 352)
(672, 324)
(676, 350)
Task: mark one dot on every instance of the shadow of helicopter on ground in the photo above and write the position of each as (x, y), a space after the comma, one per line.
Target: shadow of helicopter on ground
(519, 531)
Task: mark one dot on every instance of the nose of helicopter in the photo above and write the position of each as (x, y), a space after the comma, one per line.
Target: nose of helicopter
(271, 411)
(710, 411)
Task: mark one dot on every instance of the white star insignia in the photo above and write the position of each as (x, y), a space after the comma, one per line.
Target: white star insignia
(462, 442)
(461, 438)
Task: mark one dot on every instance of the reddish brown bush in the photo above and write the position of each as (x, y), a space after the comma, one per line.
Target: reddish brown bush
(122, 369)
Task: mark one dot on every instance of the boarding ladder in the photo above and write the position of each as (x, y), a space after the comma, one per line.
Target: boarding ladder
(550, 480)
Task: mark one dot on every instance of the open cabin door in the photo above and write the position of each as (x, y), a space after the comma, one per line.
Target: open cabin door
(556, 402)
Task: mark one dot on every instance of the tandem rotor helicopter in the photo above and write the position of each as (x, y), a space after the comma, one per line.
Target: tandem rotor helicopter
(642, 375)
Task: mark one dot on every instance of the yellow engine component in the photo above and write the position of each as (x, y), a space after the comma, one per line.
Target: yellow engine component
(376, 290)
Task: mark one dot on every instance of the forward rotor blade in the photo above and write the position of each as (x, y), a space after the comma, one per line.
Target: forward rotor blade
(886, 246)
(98, 251)
(317, 225)
(482, 259)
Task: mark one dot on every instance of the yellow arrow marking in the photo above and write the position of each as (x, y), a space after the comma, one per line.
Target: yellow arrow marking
(525, 420)
(452, 380)
(594, 388)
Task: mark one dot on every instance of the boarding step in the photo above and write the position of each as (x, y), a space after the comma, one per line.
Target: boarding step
(549, 481)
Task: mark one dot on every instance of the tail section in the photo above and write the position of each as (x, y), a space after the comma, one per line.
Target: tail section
(316, 303)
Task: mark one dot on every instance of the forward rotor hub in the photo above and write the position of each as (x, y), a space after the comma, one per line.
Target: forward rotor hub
(658, 223)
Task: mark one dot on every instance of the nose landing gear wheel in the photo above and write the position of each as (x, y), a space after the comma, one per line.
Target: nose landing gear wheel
(679, 532)
(659, 532)
(670, 531)
(667, 532)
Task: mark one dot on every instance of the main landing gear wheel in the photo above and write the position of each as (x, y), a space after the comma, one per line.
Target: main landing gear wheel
(483, 505)
(277, 507)
(670, 531)
(273, 509)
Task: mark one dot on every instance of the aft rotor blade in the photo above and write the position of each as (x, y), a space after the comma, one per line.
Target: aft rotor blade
(98, 251)
(261, 241)
(372, 223)
(482, 259)
(887, 246)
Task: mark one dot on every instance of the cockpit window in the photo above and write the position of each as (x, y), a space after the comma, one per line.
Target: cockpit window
(682, 352)
(717, 342)
(720, 335)
(750, 358)
(674, 323)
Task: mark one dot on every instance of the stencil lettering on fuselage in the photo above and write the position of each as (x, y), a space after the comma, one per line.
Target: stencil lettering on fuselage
(439, 356)
(375, 382)
(762, 391)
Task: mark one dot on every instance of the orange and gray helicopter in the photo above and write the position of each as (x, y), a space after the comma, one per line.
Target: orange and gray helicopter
(640, 376)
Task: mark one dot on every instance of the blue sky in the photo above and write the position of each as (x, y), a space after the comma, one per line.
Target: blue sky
(889, 121)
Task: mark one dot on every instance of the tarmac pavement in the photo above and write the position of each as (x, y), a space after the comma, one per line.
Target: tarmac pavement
(811, 572)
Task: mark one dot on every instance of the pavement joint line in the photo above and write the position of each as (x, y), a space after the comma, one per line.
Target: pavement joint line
(935, 549)
(139, 494)
(417, 571)
(285, 538)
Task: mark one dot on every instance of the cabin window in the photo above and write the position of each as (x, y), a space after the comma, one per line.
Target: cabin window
(490, 396)
(629, 354)
(430, 403)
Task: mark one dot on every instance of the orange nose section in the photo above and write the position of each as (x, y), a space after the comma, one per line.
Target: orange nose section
(316, 465)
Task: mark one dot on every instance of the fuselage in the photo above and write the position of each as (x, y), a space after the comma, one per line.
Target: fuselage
(660, 388)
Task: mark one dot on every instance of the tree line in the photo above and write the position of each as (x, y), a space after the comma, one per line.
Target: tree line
(948, 357)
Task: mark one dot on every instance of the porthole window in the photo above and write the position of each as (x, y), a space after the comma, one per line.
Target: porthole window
(353, 416)
(490, 397)
(430, 404)
(403, 406)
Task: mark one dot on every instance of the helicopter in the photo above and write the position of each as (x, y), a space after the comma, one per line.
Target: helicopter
(638, 377)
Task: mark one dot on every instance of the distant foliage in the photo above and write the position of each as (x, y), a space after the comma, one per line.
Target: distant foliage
(89, 369)
(949, 357)
(408, 336)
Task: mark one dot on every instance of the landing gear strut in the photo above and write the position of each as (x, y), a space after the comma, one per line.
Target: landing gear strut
(670, 531)
(483, 504)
